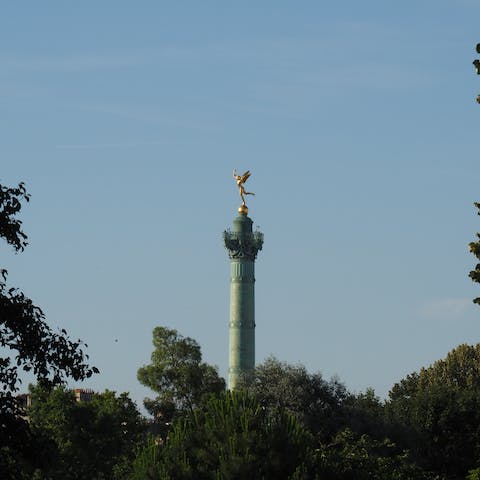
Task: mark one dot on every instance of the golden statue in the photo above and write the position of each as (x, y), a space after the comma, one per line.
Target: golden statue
(241, 179)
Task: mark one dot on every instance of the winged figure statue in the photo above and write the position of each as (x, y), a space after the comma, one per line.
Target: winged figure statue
(241, 179)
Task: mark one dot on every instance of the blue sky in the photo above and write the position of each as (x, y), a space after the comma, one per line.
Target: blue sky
(358, 121)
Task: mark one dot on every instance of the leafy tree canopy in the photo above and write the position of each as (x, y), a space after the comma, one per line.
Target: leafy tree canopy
(359, 457)
(88, 439)
(26, 341)
(460, 369)
(314, 401)
(177, 374)
(440, 405)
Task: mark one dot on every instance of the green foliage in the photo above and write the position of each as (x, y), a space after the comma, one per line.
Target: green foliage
(364, 413)
(89, 439)
(235, 437)
(315, 402)
(147, 464)
(289, 425)
(353, 457)
(178, 375)
(440, 407)
(475, 249)
(228, 438)
(27, 343)
(459, 370)
(474, 474)
(48, 355)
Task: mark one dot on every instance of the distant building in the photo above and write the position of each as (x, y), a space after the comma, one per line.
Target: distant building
(81, 395)
(24, 400)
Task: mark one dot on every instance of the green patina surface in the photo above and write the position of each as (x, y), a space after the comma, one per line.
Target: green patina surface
(243, 245)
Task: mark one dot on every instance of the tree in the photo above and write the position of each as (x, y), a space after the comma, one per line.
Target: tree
(178, 376)
(359, 457)
(235, 436)
(325, 407)
(27, 342)
(229, 436)
(363, 413)
(460, 369)
(315, 402)
(88, 439)
(440, 407)
(475, 249)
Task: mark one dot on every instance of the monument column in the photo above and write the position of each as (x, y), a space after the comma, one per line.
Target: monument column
(242, 244)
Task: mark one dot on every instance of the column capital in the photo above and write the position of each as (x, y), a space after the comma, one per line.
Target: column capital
(243, 245)
(242, 242)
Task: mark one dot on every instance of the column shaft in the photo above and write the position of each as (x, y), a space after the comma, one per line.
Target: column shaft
(242, 321)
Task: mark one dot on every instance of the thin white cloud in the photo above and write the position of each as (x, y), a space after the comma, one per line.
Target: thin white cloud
(174, 119)
(94, 146)
(88, 146)
(84, 61)
(445, 308)
(72, 63)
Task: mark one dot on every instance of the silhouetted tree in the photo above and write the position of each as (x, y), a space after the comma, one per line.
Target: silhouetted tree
(475, 249)
(27, 342)
(476, 63)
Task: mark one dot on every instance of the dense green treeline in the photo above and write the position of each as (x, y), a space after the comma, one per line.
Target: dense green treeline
(287, 424)
(290, 423)
(81, 439)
